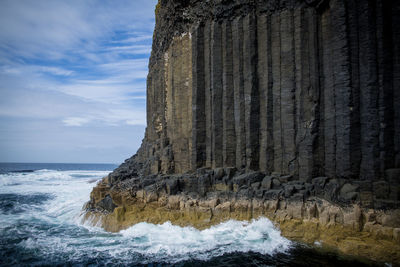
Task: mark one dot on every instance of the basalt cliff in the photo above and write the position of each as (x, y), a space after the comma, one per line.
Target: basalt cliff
(288, 109)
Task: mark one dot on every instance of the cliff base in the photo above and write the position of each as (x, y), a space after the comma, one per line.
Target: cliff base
(333, 212)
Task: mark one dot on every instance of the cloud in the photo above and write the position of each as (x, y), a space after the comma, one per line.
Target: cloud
(75, 121)
(137, 39)
(133, 68)
(78, 66)
(132, 49)
(56, 71)
(32, 29)
(126, 116)
(52, 28)
(25, 70)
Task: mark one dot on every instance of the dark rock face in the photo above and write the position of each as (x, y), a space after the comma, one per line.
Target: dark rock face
(236, 185)
(301, 88)
(106, 204)
(296, 90)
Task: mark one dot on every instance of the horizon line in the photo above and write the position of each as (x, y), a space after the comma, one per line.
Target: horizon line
(57, 163)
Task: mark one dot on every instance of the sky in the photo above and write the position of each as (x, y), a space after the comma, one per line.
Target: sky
(73, 79)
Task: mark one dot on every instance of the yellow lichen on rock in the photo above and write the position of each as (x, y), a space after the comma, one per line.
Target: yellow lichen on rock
(352, 230)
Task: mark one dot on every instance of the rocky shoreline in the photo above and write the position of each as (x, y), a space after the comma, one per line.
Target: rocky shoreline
(334, 212)
(283, 109)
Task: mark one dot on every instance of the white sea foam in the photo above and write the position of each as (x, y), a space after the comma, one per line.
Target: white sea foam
(182, 242)
(68, 191)
(54, 227)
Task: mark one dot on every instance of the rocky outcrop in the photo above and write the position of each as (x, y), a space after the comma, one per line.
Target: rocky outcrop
(323, 210)
(306, 88)
(286, 109)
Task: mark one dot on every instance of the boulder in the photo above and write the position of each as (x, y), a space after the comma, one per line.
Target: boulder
(256, 185)
(172, 186)
(289, 190)
(204, 184)
(276, 183)
(273, 194)
(267, 182)
(219, 173)
(106, 204)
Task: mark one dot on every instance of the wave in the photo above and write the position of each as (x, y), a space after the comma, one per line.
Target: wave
(170, 243)
(69, 190)
(40, 220)
(52, 176)
(146, 243)
(14, 203)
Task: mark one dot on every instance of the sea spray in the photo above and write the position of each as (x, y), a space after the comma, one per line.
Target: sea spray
(173, 243)
(44, 208)
(40, 225)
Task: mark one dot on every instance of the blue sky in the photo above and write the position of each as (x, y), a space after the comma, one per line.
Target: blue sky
(73, 79)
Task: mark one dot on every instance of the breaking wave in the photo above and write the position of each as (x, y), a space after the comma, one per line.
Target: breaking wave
(40, 224)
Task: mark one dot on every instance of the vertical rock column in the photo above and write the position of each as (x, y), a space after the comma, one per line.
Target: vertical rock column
(198, 100)
(179, 101)
(155, 103)
(339, 105)
(307, 90)
(207, 93)
(276, 91)
(228, 112)
(216, 94)
(396, 78)
(355, 127)
(149, 105)
(369, 93)
(264, 71)
(385, 75)
(288, 97)
(312, 103)
(251, 95)
(328, 94)
(340, 63)
(156, 134)
(238, 85)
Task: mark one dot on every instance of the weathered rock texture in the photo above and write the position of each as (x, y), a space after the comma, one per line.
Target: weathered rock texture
(307, 88)
(309, 212)
(305, 92)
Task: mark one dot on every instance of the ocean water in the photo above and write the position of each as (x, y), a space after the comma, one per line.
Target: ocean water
(41, 225)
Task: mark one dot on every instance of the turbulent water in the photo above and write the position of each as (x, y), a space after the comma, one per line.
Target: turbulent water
(41, 224)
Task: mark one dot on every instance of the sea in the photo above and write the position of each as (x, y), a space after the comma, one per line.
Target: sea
(41, 225)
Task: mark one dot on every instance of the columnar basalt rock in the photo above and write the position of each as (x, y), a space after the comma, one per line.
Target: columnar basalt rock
(306, 88)
(255, 101)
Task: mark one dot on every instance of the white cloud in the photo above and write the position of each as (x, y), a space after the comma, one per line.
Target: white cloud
(49, 29)
(75, 121)
(130, 116)
(24, 70)
(132, 49)
(56, 71)
(134, 122)
(126, 65)
(78, 66)
(11, 70)
(135, 39)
